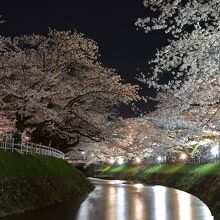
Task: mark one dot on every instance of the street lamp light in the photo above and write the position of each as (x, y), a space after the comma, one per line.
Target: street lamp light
(159, 159)
(120, 161)
(183, 156)
(138, 160)
(215, 151)
(112, 161)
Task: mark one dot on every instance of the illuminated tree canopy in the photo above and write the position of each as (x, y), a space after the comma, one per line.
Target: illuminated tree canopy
(185, 74)
(56, 84)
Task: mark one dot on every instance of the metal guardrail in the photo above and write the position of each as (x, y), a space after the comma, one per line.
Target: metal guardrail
(32, 148)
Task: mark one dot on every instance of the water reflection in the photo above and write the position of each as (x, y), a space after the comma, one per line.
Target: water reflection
(110, 212)
(184, 205)
(160, 203)
(113, 200)
(122, 200)
(136, 202)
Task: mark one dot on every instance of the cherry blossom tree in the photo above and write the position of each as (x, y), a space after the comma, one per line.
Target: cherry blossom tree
(192, 55)
(185, 72)
(134, 138)
(55, 84)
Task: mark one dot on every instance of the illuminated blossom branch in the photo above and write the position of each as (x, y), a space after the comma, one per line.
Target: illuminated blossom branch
(190, 60)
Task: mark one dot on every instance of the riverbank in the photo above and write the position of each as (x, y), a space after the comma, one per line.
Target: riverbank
(31, 181)
(202, 181)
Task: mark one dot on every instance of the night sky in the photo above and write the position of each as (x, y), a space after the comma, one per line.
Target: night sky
(109, 23)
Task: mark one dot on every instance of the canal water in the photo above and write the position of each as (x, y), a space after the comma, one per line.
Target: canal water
(115, 200)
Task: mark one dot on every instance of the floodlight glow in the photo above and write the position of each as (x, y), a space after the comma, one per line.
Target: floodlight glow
(138, 160)
(159, 158)
(183, 156)
(112, 161)
(215, 151)
(138, 185)
(26, 138)
(120, 161)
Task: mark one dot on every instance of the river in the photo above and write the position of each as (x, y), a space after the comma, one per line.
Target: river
(115, 200)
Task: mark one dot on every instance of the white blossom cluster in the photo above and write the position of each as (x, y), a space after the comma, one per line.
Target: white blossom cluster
(192, 55)
(190, 63)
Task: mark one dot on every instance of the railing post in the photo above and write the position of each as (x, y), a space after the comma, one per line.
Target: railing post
(26, 147)
(35, 149)
(45, 151)
(5, 143)
(13, 142)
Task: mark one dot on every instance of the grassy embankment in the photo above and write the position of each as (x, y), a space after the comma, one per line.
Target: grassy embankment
(28, 181)
(202, 181)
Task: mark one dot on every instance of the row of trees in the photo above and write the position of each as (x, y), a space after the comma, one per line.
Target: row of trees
(56, 85)
(185, 73)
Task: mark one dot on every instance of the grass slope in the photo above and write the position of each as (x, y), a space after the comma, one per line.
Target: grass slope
(28, 181)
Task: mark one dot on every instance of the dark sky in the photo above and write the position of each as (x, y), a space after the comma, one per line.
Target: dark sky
(109, 23)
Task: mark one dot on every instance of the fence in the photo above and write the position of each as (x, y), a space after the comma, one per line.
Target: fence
(193, 161)
(31, 148)
(198, 161)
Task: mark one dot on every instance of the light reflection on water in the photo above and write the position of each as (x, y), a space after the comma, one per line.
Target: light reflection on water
(113, 200)
(184, 205)
(120, 201)
(160, 203)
